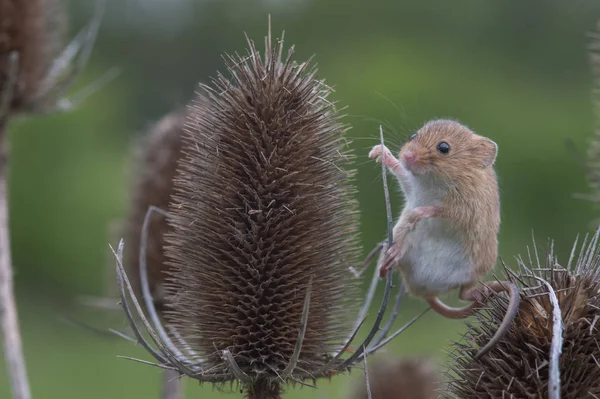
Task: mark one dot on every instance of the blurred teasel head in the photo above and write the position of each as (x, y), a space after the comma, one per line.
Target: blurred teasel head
(593, 152)
(262, 231)
(155, 166)
(36, 69)
(30, 37)
(541, 354)
(399, 378)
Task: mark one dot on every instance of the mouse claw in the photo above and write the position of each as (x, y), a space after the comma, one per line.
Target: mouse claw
(392, 257)
(376, 152)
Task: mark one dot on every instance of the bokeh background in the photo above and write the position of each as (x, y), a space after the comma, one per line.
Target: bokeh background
(514, 71)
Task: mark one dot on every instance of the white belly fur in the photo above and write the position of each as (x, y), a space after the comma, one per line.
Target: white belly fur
(434, 261)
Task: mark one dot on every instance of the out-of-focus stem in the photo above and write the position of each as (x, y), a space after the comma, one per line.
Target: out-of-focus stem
(13, 351)
(171, 385)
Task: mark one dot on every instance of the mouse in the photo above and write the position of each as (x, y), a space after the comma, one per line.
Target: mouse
(446, 236)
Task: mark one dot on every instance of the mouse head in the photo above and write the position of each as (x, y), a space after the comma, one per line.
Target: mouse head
(447, 148)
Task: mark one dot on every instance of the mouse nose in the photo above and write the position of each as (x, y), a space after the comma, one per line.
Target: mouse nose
(409, 157)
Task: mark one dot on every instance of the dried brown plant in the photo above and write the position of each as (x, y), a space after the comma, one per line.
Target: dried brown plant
(593, 151)
(399, 378)
(155, 166)
(262, 231)
(33, 30)
(542, 355)
(34, 75)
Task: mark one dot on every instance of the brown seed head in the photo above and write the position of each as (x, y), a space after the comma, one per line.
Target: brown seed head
(152, 185)
(410, 378)
(593, 151)
(518, 366)
(33, 29)
(263, 204)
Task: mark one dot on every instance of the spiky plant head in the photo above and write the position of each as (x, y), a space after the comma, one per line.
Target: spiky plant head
(32, 29)
(400, 378)
(155, 165)
(263, 208)
(518, 366)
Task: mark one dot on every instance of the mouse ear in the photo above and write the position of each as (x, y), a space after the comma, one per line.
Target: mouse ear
(490, 152)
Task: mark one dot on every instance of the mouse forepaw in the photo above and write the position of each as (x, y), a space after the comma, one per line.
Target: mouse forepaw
(376, 152)
(383, 154)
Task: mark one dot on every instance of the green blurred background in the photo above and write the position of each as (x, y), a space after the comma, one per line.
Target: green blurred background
(514, 71)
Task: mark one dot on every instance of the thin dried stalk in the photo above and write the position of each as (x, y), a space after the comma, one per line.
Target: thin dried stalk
(8, 309)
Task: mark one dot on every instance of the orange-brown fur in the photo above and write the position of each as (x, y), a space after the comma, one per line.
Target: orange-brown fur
(447, 234)
(472, 200)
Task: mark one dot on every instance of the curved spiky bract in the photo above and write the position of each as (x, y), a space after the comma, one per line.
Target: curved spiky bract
(263, 204)
(152, 185)
(33, 29)
(519, 365)
(400, 378)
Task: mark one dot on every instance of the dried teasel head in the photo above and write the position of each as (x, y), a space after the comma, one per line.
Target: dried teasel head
(262, 235)
(593, 152)
(532, 360)
(399, 378)
(155, 168)
(35, 70)
(263, 214)
(32, 29)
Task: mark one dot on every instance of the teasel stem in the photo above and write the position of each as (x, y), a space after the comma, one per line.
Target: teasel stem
(13, 351)
(367, 382)
(171, 385)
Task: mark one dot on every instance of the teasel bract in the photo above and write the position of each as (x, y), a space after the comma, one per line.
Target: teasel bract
(263, 230)
(391, 377)
(542, 355)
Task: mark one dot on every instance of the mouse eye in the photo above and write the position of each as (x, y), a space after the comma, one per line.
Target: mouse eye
(443, 147)
(412, 136)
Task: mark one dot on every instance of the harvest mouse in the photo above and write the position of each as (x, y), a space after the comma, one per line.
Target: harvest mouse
(447, 234)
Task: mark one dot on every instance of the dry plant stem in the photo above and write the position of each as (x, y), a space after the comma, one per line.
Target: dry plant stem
(8, 309)
(367, 382)
(171, 385)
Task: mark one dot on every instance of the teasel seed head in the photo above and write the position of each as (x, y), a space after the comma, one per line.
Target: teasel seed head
(155, 166)
(593, 152)
(33, 30)
(518, 367)
(263, 213)
(400, 378)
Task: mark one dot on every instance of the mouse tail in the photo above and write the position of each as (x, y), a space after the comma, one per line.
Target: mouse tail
(450, 312)
(514, 299)
(478, 299)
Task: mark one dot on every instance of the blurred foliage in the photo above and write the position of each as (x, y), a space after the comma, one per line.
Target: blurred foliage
(514, 71)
